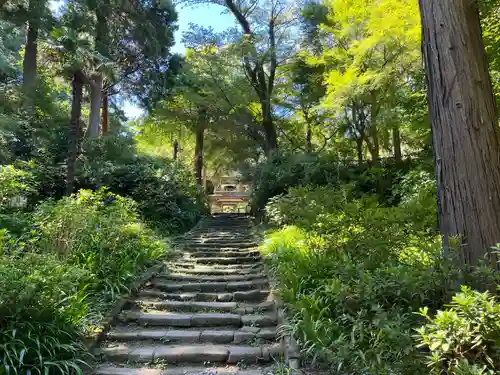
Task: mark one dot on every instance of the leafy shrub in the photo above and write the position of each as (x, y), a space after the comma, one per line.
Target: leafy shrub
(166, 191)
(15, 186)
(99, 231)
(278, 174)
(465, 338)
(353, 272)
(80, 254)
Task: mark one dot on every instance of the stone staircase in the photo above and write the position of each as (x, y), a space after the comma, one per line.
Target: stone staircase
(208, 312)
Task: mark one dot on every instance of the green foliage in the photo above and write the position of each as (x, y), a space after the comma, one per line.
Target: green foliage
(353, 272)
(165, 191)
(464, 338)
(15, 184)
(60, 276)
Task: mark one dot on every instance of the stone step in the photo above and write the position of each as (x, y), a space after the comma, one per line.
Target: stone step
(227, 260)
(222, 253)
(231, 354)
(257, 295)
(227, 267)
(221, 239)
(234, 245)
(199, 278)
(214, 286)
(211, 271)
(196, 306)
(110, 369)
(159, 318)
(244, 335)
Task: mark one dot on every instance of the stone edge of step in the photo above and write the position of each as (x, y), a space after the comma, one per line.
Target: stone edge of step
(191, 370)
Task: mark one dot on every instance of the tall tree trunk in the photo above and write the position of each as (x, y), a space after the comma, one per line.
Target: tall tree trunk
(30, 66)
(396, 143)
(373, 144)
(269, 129)
(359, 149)
(198, 152)
(105, 113)
(466, 138)
(176, 149)
(95, 106)
(74, 130)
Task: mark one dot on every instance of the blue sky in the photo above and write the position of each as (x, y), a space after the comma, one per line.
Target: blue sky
(206, 15)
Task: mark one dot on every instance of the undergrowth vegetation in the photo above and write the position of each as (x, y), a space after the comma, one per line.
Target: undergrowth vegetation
(64, 260)
(354, 271)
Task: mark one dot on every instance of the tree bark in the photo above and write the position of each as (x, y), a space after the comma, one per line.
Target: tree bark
(95, 106)
(396, 143)
(198, 152)
(359, 149)
(30, 66)
(74, 131)
(271, 135)
(176, 149)
(466, 138)
(105, 113)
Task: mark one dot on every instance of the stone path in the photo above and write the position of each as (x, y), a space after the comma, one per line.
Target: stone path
(209, 312)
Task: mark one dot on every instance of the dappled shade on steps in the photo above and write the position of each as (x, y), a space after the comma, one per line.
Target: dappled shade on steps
(209, 307)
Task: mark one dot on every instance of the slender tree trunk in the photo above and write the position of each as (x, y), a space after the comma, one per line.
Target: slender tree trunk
(176, 149)
(269, 127)
(359, 149)
(373, 145)
(30, 67)
(95, 106)
(105, 113)
(396, 142)
(74, 131)
(198, 152)
(466, 138)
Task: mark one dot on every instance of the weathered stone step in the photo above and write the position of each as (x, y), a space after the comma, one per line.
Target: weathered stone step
(159, 318)
(223, 253)
(238, 296)
(198, 278)
(213, 271)
(244, 335)
(192, 353)
(248, 267)
(221, 239)
(181, 319)
(110, 369)
(214, 286)
(227, 260)
(195, 306)
(234, 245)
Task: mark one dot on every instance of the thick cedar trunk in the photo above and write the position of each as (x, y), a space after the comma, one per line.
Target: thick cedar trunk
(466, 137)
(74, 131)
(198, 152)
(105, 113)
(396, 143)
(30, 66)
(176, 149)
(95, 106)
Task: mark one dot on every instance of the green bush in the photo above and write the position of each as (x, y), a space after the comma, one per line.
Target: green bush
(275, 176)
(353, 272)
(61, 275)
(165, 191)
(465, 338)
(16, 185)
